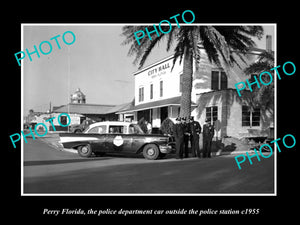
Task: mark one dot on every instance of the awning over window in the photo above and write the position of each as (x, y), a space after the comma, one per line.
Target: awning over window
(155, 104)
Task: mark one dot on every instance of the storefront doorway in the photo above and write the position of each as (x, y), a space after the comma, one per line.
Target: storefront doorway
(163, 113)
(147, 114)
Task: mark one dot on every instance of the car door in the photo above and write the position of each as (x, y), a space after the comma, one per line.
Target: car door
(137, 136)
(117, 140)
(99, 132)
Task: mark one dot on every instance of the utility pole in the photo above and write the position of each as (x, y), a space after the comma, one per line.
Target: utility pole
(69, 73)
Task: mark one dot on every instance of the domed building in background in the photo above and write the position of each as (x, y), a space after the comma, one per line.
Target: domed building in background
(78, 97)
(77, 112)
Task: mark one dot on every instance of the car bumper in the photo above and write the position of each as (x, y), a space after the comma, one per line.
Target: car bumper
(165, 149)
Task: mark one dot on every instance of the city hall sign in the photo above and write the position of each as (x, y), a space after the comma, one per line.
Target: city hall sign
(159, 70)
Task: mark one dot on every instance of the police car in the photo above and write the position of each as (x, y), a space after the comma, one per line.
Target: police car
(117, 137)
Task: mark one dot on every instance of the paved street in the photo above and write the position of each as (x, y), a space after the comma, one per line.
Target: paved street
(47, 170)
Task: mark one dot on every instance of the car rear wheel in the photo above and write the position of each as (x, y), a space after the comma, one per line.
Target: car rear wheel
(85, 150)
(151, 151)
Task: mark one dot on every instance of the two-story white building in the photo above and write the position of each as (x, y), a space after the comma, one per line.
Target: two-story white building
(158, 94)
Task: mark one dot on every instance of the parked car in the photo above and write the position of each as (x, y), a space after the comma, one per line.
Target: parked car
(79, 128)
(117, 137)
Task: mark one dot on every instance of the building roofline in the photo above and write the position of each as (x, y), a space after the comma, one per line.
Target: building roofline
(82, 104)
(153, 64)
(155, 104)
(252, 50)
(90, 104)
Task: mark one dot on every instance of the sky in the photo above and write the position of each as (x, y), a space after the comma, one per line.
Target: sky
(96, 62)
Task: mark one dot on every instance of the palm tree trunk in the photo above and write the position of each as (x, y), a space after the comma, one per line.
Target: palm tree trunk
(187, 79)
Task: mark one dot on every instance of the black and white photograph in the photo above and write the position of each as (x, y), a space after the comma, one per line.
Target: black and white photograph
(109, 112)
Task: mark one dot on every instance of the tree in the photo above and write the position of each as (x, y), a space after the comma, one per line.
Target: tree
(222, 45)
(263, 96)
(167, 126)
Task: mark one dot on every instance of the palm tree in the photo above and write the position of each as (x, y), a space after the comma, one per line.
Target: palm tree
(263, 96)
(221, 43)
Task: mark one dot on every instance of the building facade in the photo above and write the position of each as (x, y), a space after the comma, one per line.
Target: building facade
(217, 99)
(157, 92)
(214, 97)
(78, 111)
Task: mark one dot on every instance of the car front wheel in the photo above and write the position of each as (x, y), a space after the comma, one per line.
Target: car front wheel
(151, 151)
(85, 150)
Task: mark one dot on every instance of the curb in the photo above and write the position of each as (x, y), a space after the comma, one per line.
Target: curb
(240, 153)
(69, 150)
(220, 152)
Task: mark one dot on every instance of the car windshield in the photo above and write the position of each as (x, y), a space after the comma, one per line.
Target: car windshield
(97, 130)
(85, 130)
(135, 129)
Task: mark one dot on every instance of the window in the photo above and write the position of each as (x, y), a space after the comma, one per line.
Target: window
(246, 114)
(141, 94)
(63, 120)
(135, 129)
(93, 130)
(256, 117)
(218, 80)
(214, 80)
(212, 113)
(113, 129)
(224, 82)
(250, 117)
(161, 84)
(151, 91)
(98, 130)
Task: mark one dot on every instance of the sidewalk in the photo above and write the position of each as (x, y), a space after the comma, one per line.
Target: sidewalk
(230, 146)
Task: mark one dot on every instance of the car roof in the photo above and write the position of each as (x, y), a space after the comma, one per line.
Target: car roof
(116, 123)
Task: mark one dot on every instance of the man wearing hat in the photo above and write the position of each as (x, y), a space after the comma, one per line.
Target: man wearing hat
(178, 132)
(195, 129)
(208, 133)
(186, 129)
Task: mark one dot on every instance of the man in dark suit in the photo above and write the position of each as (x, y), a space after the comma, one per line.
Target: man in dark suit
(208, 133)
(186, 131)
(195, 129)
(178, 132)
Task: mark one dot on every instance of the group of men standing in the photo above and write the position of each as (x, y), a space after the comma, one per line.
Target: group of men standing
(185, 130)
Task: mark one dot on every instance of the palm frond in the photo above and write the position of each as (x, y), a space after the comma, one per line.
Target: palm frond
(208, 46)
(171, 37)
(183, 40)
(222, 44)
(265, 62)
(148, 49)
(179, 51)
(141, 51)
